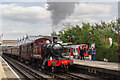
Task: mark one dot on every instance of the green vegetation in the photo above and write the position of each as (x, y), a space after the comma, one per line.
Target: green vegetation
(101, 31)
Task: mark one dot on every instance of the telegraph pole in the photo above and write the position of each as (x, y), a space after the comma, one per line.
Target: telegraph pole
(118, 24)
(70, 47)
(93, 36)
(118, 43)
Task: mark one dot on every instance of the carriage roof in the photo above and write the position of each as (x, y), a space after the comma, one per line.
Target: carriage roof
(74, 46)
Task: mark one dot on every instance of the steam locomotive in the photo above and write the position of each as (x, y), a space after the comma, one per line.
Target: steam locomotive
(41, 53)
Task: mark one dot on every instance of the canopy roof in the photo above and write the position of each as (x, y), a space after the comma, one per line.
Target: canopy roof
(28, 39)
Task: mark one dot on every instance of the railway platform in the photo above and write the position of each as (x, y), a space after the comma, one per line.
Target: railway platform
(99, 64)
(108, 68)
(6, 72)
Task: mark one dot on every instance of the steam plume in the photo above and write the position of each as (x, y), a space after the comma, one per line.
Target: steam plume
(60, 10)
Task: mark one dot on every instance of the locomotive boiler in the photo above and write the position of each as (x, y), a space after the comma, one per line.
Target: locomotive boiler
(41, 53)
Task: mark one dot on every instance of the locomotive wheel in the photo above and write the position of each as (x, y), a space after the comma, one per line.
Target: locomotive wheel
(27, 62)
(66, 68)
(53, 69)
(21, 60)
(41, 68)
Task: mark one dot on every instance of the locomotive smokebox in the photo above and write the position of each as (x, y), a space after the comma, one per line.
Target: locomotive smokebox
(55, 49)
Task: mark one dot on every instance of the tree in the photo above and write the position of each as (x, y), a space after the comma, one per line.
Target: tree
(81, 35)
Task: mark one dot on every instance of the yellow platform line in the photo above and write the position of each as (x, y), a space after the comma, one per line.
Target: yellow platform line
(2, 73)
(105, 66)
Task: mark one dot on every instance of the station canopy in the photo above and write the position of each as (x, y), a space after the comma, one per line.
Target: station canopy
(27, 39)
(6, 44)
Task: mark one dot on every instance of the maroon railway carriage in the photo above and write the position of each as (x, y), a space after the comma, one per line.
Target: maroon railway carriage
(41, 53)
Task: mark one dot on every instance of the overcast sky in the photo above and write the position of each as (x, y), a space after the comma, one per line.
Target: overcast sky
(41, 18)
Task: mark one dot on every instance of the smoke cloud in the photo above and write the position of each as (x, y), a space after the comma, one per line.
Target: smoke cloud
(60, 11)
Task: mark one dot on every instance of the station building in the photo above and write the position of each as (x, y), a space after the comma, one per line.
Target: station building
(6, 44)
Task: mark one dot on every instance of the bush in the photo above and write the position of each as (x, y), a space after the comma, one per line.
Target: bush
(107, 51)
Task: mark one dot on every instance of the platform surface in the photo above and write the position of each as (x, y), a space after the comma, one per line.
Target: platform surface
(6, 71)
(98, 64)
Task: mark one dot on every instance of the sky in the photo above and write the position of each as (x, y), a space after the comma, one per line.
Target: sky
(41, 18)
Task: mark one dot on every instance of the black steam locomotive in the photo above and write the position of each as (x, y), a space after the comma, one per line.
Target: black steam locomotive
(42, 53)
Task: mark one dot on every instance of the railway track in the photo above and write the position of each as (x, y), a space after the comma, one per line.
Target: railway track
(71, 76)
(65, 76)
(95, 72)
(32, 73)
(74, 76)
(27, 71)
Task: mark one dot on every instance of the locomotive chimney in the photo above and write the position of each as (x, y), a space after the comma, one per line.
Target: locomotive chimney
(54, 39)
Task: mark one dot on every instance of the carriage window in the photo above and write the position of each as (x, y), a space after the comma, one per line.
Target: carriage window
(80, 47)
(69, 50)
(74, 50)
(87, 47)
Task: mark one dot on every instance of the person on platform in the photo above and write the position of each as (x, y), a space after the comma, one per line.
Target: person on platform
(89, 52)
(93, 54)
(81, 54)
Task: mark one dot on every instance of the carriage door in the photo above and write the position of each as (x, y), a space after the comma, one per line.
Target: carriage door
(71, 53)
(85, 51)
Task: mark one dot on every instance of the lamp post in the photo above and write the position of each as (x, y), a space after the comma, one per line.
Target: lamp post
(92, 36)
(118, 43)
(70, 47)
(70, 44)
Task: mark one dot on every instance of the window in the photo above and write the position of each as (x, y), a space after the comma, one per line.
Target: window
(73, 50)
(69, 50)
